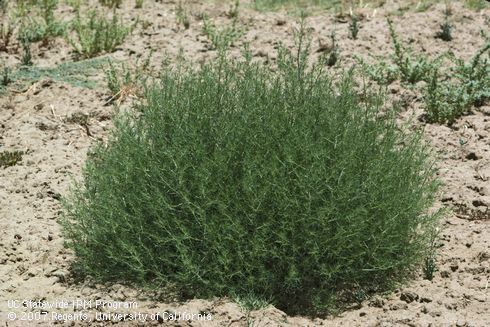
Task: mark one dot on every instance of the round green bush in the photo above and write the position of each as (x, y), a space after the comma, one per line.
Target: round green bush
(235, 179)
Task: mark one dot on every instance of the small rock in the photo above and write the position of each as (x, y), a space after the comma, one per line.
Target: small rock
(281, 22)
(424, 309)
(483, 256)
(409, 296)
(398, 306)
(479, 203)
(472, 156)
(436, 313)
(362, 314)
(261, 53)
(424, 299)
(377, 302)
(60, 274)
(454, 266)
(445, 274)
(461, 323)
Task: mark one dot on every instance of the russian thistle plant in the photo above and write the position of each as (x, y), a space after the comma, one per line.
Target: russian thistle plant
(236, 179)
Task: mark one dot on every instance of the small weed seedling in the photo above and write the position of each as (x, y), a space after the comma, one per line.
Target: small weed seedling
(334, 53)
(26, 53)
(10, 158)
(6, 32)
(3, 6)
(445, 33)
(354, 26)
(34, 28)
(75, 4)
(222, 39)
(430, 261)
(182, 16)
(430, 267)
(111, 3)
(96, 34)
(476, 4)
(234, 10)
(123, 82)
(78, 118)
(412, 68)
(6, 78)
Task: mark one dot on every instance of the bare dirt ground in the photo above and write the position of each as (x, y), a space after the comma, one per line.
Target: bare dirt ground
(34, 264)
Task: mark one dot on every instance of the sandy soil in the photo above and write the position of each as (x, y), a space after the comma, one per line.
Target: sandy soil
(34, 265)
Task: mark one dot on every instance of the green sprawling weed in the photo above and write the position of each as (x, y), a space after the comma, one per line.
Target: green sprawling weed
(452, 93)
(222, 39)
(451, 90)
(38, 22)
(123, 81)
(95, 34)
(412, 68)
(233, 179)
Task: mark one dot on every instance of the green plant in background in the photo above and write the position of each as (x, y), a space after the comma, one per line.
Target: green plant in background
(33, 29)
(430, 267)
(7, 28)
(278, 184)
(122, 81)
(380, 71)
(96, 34)
(475, 75)
(6, 77)
(23, 8)
(182, 16)
(250, 302)
(412, 68)
(445, 33)
(234, 10)
(354, 26)
(302, 5)
(333, 54)
(222, 39)
(10, 158)
(476, 4)
(75, 4)
(452, 93)
(26, 59)
(111, 3)
(430, 261)
(3, 6)
(444, 101)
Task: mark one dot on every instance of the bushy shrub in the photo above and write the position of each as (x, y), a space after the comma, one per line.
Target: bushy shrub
(235, 179)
